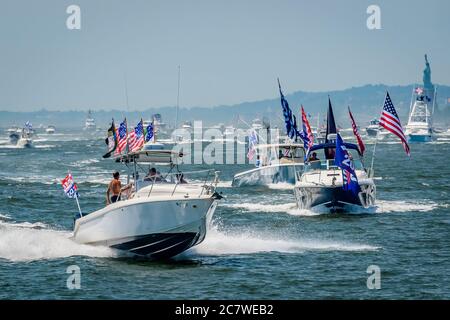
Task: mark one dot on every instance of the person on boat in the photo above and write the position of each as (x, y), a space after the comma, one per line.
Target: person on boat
(153, 175)
(313, 157)
(115, 188)
(180, 178)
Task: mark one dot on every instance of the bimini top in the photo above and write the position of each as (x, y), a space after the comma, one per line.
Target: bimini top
(160, 157)
(351, 146)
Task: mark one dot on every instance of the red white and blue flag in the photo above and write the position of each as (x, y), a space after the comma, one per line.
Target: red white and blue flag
(391, 122)
(70, 188)
(136, 138)
(122, 137)
(252, 142)
(361, 145)
(307, 130)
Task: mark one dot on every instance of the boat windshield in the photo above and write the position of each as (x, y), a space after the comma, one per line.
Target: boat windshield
(330, 165)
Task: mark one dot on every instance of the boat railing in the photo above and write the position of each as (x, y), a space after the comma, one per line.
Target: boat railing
(209, 182)
(319, 166)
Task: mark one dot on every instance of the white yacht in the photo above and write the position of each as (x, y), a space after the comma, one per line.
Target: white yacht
(423, 101)
(420, 124)
(89, 124)
(50, 129)
(161, 217)
(274, 163)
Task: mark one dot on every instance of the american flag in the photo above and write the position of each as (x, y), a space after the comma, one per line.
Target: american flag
(361, 145)
(122, 137)
(136, 137)
(391, 122)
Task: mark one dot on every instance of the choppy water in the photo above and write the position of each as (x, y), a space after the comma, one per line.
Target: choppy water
(259, 247)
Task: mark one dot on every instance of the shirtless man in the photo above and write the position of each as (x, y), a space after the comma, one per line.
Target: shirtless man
(115, 187)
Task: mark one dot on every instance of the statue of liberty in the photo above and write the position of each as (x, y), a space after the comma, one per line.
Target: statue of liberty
(427, 76)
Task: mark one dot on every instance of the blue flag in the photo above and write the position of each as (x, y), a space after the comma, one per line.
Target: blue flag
(148, 132)
(342, 160)
(291, 129)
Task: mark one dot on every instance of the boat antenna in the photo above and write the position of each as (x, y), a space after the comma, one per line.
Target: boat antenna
(178, 98)
(375, 144)
(126, 91)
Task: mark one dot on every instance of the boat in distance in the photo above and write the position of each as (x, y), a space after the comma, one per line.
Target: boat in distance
(275, 163)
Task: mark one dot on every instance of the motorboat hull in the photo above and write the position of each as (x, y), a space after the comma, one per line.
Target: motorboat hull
(14, 137)
(25, 143)
(282, 173)
(142, 227)
(420, 137)
(335, 199)
(372, 132)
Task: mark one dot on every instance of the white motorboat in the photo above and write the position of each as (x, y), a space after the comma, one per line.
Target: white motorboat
(50, 129)
(420, 121)
(420, 127)
(25, 140)
(275, 163)
(162, 216)
(89, 124)
(320, 185)
(373, 128)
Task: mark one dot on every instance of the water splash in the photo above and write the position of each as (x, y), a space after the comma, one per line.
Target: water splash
(281, 186)
(383, 206)
(227, 243)
(36, 241)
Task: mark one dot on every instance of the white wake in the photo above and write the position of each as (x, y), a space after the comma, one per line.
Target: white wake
(36, 241)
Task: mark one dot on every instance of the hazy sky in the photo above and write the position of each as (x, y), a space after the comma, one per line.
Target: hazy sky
(230, 51)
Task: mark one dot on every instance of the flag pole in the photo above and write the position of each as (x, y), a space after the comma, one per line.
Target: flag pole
(78, 204)
(76, 198)
(375, 145)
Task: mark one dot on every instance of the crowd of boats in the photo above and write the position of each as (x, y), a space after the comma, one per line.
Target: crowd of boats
(161, 213)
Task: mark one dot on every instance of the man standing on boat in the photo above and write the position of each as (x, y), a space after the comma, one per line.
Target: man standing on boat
(115, 187)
